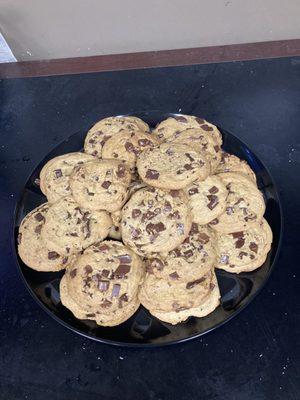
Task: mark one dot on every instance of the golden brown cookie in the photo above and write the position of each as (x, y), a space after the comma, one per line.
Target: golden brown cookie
(155, 221)
(101, 185)
(246, 250)
(172, 166)
(231, 163)
(33, 251)
(244, 206)
(207, 199)
(54, 176)
(70, 228)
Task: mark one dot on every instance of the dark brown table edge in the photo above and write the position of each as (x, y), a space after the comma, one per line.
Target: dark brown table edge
(150, 59)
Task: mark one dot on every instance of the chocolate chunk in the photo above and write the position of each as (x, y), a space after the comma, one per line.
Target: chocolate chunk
(213, 201)
(82, 176)
(88, 269)
(199, 120)
(129, 147)
(242, 254)
(123, 298)
(170, 152)
(135, 233)
(213, 190)
(167, 206)
(39, 217)
(92, 141)
(157, 263)
(253, 246)
(122, 270)
(203, 237)
(189, 157)
(211, 286)
(90, 315)
(152, 174)
(239, 243)
(180, 118)
(144, 142)
(52, 255)
(38, 229)
(174, 193)
(103, 247)
(74, 234)
(157, 211)
(136, 213)
(188, 253)
(116, 290)
(64, 260)
(188, 167)
(177, 252)
(193, 191)
(177, 307)
(174, 215)
(94, 153)
(224, 259)
(106, 304)
(125, 259)
(105, 273)
(174, 275)
(106, 184)
(103, 285)
(229, 210)
(121, 171)
(190, 285)
(238, 235)
(207, 128)
(73, 273)
(217, 148)
(194, 228)
(154, 229)
(58, 173)
(250, 218)
(148, 216)
(180, 228)
(88, 230)
(238, 201)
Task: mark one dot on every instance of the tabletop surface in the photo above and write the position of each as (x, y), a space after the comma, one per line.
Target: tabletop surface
(254, 356)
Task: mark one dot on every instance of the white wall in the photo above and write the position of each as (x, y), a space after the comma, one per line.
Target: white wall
(43, 29)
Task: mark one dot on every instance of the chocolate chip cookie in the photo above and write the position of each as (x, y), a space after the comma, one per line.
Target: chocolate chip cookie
(155, 221)
(207, 199)
(101, 184)
(33, 251)
(106, 128)
(167, 128)
(70, 228)
(244, 205)
(102, 284)
(172, 166)
(194, 258)
(54, 176)
(246, 250)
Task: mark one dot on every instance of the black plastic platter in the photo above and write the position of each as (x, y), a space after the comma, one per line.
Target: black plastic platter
(142, 329)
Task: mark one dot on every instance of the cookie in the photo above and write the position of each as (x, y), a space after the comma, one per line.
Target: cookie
(115, 230)
(70, 228)
(231, 163)
(172, 166)
(207, 307)
(207, 199)
(126, 146)
(101, 185)
(106, 128)
(200, 141)
(194, 258)
(54, 176)
(162, 295)
(33, 251)
(165, 129)
(104, 280)
(155, 221)
(244, 205)
(246, 250)
(114, 318)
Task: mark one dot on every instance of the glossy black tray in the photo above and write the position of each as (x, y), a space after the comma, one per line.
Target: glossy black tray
(142, 329)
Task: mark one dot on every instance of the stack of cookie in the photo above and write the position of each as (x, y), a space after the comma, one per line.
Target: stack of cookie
(174, 206)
